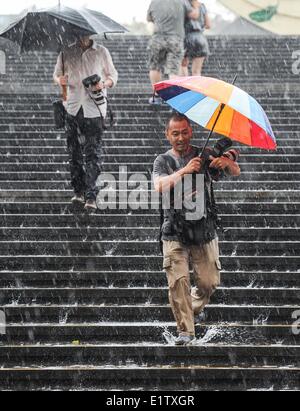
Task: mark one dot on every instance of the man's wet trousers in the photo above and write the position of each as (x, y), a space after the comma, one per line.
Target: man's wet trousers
(84, 141)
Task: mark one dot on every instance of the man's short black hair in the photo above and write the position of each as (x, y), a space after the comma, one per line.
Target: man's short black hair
(175, 116)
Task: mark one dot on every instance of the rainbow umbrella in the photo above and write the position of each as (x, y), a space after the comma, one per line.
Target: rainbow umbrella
(221, 107)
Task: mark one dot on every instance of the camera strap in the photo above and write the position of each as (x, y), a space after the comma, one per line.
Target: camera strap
(111, 115)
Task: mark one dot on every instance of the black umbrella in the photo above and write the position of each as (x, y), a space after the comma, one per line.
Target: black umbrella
(55, 28)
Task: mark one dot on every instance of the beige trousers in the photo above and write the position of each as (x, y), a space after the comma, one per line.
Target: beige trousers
(185, 302)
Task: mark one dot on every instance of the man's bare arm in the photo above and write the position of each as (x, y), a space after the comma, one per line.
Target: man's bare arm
(229, 166)
(207, 22)
(163, 184)
(233, 169)
(61, 80)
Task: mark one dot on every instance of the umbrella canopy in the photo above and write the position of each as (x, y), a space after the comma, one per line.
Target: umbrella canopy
(202, 99)
(55, 28)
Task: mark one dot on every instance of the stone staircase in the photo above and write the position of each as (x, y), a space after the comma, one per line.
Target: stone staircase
(84, 296)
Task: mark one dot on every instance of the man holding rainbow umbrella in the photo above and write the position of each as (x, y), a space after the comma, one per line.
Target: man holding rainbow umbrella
(227, 110)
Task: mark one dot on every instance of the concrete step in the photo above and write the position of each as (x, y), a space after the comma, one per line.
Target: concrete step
(142, 234)
(126, 127)
(115, 140)
(130, 104)
(153, 330)
(134, 150)
(137, 119)
(152, 355)
(54, 262)
(15, 180)
(149, 200)
(150, 378)
(276, 206)
(238, 296)
(222, 185)
(138, 247)
(136, 158)
(136, 75)
(151, 220)
(286, 95)
(86, 279)
(135, 112)
(146, 167)
(228, 66)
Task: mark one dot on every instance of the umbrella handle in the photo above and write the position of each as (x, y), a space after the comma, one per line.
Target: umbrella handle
(213, 129)
(64, 93)
(64, 88)
(217, 119)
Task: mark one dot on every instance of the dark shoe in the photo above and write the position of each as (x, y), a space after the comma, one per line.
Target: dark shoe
(200, 318)
(155, 101)
(90, 206)
(185, 340)
(3, 339)
(78, 199)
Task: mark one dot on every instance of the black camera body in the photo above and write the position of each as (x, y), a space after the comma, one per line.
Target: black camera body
(97, 95)
(91, 81)
(220, 149)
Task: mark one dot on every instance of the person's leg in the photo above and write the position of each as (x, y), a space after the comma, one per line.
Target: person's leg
(197, 66)
(199, 50)
(174, 57)
(185, 67)
(176, 265)
(155, 77)
(3, 329)
(207, 269)
(92, 130)
(75, 156)
(156, 58)
(156, 62)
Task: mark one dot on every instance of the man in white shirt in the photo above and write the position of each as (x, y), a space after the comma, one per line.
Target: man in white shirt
(84, 116)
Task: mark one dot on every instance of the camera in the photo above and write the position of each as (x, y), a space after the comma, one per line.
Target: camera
(221, 149)
(91, 81)
(90, 84)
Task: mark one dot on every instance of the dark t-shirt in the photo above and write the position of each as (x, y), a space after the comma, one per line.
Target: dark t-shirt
(169, 16)
(192, 26)
(162, 168)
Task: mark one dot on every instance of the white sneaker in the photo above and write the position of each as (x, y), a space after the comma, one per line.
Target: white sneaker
(90, 206)
(184, 340)
(155, 101)
(78, 199)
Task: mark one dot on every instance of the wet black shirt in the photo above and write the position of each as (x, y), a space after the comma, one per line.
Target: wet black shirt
(162, 168)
